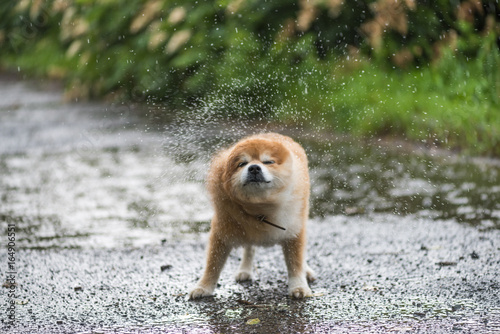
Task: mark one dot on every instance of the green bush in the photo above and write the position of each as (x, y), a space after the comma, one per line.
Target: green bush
(426, 70)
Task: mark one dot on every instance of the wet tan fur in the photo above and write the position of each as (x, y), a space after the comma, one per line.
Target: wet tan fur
(235, 224)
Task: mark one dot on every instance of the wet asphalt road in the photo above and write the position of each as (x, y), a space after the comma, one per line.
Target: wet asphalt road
(111, 220)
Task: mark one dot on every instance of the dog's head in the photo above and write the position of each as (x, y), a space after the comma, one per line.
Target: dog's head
(257, 170)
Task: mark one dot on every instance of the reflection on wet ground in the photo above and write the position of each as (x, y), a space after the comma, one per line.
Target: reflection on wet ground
(361, 179)
(111, 222)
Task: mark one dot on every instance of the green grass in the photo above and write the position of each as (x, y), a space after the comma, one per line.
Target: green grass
(457, 110)
(452, 104)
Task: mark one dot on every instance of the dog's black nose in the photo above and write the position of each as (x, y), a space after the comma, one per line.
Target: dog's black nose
(254, 169)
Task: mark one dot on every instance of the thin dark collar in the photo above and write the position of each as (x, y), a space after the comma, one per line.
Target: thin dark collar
(263, 219)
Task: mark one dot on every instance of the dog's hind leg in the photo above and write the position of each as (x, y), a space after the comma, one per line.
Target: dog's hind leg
(244, 272)
(310, 274)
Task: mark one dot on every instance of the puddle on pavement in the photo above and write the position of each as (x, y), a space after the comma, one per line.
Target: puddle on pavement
(358, 178)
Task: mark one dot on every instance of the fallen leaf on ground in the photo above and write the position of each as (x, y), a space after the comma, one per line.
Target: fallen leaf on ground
(253, 321)
(317, 294)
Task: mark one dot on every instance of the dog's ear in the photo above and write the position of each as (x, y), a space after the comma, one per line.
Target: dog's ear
(230, 168)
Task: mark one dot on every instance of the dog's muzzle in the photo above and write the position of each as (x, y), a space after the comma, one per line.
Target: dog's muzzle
(255, 175)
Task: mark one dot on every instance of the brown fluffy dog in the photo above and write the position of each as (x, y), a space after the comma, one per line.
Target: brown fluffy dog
(260, 192)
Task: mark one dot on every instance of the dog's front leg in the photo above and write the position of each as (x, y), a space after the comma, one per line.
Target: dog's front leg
(217, 254)
(294, 250)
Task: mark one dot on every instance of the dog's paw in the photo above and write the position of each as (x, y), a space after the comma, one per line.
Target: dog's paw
(310, 275)
(242, 276)
(298, 288)
(300, 292)
(200, 292)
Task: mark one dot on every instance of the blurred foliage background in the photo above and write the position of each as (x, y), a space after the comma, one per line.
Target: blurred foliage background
(425, 70)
